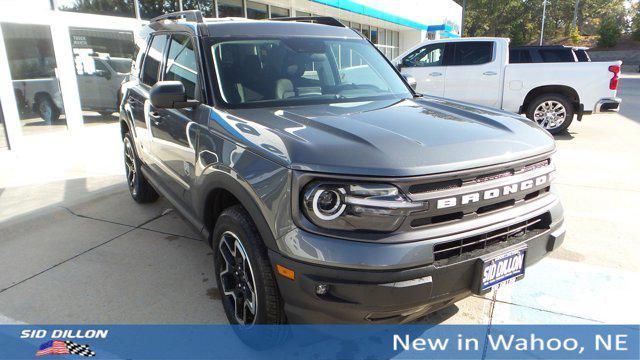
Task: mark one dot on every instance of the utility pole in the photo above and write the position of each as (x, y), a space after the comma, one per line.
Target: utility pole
(544, 13)
(464, 12)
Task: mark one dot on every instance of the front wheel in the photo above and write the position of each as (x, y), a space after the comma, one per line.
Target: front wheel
(140, 189)
(553, 112)
(246, 282)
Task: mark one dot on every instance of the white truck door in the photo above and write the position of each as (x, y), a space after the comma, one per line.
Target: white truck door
(474, 73)
(426, 65)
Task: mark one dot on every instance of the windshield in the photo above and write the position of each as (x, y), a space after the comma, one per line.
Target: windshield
(296, 70)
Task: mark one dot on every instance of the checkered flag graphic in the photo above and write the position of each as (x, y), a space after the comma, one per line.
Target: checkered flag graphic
(79, 349)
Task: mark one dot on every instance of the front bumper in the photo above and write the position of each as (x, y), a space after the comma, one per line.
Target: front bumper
(367, 294)
(607, 105)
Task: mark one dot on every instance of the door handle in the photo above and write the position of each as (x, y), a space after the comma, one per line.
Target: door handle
(490, 73)
(156, 118)
(435, 74)
(131, 100)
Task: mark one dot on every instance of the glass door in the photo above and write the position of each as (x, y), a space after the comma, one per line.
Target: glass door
(34, 74)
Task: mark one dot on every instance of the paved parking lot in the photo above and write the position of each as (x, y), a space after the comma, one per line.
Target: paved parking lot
(74, 248)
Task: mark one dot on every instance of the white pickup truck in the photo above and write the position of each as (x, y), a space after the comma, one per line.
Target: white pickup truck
(477, 70)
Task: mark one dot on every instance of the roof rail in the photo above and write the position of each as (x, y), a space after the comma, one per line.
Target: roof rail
(324, 20)
(189, 15)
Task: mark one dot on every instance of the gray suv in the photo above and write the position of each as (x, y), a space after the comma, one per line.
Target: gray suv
(328, 188)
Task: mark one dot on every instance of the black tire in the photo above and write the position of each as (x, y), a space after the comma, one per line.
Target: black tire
(269, 306)
(47, 109)
(546, 123)
(141, 191)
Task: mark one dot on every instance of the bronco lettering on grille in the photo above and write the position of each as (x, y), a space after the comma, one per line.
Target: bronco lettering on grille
(491, 193)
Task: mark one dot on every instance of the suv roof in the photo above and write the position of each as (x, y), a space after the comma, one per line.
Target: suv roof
(193, 22)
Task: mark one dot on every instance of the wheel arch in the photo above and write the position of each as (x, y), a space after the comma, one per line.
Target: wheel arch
(222, 191)
(565, 90)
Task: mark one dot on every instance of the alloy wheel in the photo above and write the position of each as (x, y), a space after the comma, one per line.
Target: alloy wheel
(550, 114)
(237, 278)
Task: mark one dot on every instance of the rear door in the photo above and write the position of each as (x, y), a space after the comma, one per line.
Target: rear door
(474, 73)
(426, 65)
(174, 136)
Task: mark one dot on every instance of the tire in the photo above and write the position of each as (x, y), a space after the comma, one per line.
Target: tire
(141, 191)
(236, 238)
(553, 112)
(47, 110)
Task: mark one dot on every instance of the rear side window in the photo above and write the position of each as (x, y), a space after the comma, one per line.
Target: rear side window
(582, 55)
(472, 53)
(557, 55)
(519, 56)
(153, 59)
(181, 64)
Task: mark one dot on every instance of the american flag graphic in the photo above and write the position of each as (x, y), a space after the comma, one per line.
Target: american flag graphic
(61, 347)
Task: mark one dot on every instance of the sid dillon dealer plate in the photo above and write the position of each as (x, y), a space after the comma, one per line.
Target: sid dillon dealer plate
(504, 268)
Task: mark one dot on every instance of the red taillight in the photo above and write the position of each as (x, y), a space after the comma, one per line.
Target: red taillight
(613, 83)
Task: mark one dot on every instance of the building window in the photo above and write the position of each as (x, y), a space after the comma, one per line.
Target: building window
(32, 63)
(365, 31)
(230, 8)
(207, 7)
(256, 10)
(152, 8)
(123, 8)
(102, 60)
(277, 12)
(374, 35)
(302, 13)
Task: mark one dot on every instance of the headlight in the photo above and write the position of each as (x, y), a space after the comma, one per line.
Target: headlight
(351, 206)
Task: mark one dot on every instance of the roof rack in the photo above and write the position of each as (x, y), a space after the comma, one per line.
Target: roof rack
(324, 20)
(189, 15)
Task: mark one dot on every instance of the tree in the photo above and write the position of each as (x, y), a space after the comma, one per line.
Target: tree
(635, 35)
(609, 32)
(574, 36)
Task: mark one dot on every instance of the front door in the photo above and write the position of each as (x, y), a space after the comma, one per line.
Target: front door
(474, 73)
(174, 137)
(426, 65)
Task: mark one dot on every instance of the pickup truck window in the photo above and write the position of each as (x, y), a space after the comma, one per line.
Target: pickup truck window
(557, 55)
(292, 71)
(153, 59)
(519, 56)
(430, 55)
(472, 53)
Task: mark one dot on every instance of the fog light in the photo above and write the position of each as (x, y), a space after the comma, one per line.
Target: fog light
(322, 289)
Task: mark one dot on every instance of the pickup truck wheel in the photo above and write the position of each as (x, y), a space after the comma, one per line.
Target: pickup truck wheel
(47, 110)
(140, 189)
(553, 112)
(246, 281)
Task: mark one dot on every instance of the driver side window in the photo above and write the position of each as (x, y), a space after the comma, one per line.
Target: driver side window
(428, 55)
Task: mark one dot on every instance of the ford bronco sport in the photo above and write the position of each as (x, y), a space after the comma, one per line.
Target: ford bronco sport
(329, 190)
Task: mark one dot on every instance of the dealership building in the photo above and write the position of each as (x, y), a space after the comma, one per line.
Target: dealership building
(61, 61)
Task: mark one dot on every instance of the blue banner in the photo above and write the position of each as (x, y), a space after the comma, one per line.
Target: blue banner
(321, 342)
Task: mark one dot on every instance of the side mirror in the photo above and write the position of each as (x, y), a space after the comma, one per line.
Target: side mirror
(170, 95)
(413, 83)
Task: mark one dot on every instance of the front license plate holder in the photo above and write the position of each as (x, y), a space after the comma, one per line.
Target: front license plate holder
(493, 271)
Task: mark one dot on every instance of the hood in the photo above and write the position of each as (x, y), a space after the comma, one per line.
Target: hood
(385, 138)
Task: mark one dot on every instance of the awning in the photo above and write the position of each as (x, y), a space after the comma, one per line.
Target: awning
(360, 9)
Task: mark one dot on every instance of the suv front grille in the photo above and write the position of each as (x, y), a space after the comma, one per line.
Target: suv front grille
(518, 231)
